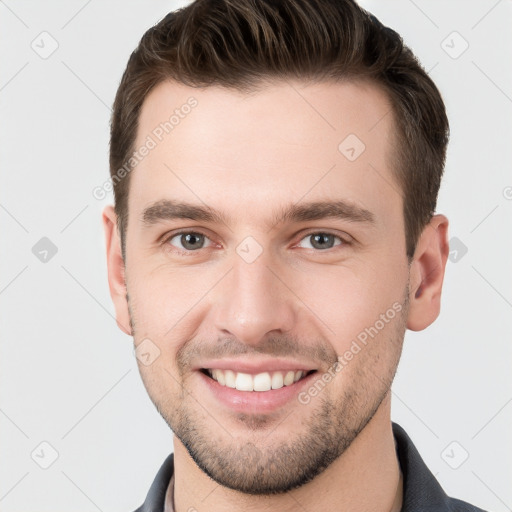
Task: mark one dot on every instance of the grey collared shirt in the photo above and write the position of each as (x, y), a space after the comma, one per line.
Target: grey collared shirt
(421, 491)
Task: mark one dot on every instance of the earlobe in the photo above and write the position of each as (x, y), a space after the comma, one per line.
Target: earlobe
(116, 269)
(427, 274)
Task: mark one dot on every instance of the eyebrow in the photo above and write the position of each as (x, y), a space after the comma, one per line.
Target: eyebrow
(168, 209)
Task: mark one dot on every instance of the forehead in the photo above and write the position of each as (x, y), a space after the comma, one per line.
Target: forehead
(274, 146)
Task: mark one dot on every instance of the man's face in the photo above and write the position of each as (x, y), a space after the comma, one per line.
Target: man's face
(256, 293)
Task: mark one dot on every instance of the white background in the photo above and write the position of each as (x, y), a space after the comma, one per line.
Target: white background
(68, 375)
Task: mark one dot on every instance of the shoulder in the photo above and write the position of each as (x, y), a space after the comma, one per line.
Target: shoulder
(422, 492)
(456, 505)
(155, 498)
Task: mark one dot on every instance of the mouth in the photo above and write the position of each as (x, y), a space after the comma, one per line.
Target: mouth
(260, 382)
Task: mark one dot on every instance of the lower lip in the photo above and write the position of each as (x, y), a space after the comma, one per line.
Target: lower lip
(255, 401)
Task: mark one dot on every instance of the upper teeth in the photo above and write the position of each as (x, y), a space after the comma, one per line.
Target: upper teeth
(260, 382)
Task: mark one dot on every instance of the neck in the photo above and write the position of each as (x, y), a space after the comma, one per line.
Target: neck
(365, 477)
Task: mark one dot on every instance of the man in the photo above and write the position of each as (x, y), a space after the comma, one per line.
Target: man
(276, 168)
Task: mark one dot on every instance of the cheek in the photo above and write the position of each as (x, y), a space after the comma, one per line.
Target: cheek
(350, 300)
(165, 301)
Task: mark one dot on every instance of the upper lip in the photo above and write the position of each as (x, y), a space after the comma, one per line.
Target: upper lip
(255, 366)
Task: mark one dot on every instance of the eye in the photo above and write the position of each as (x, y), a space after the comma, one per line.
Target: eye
(187, 241)
(322, 241)
(192, 241)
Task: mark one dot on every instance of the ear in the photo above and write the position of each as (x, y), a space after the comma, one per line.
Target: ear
(427, 273)
(116, 269)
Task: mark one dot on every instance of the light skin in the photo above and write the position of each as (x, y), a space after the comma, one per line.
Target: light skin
(249, 157)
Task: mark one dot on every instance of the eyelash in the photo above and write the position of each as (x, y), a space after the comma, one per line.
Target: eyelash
(167, 239)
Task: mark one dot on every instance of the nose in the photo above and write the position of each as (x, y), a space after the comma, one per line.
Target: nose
(254, 300)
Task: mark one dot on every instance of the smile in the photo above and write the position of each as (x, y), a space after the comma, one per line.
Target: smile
(264, 381)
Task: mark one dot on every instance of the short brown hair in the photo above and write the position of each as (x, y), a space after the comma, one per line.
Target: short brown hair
(241, 43)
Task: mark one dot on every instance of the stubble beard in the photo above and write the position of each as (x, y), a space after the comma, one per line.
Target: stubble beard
(275, 467)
